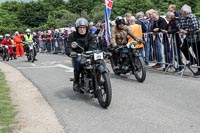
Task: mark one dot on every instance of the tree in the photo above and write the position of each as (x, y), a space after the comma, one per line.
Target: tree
(46, 14)
(121, 7)
(78, 6)
(97, 13)
(61, 18)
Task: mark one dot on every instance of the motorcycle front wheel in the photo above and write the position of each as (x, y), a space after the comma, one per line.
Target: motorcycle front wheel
(32, 55)
(116, 72)
(139, 69)
(104, 94)
(6, 56)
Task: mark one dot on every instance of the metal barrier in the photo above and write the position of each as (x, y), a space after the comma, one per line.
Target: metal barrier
(176, 51)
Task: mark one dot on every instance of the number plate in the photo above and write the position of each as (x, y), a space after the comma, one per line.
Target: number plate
(98, 56)
(31, 47)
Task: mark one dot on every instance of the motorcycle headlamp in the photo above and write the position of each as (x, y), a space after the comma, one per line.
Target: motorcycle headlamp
(133, 45)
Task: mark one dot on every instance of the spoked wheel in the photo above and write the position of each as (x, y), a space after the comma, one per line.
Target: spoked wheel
(104, 94)
(139, 70)
(32, 56)
(28, 56)
(117, 72)
(6, 56)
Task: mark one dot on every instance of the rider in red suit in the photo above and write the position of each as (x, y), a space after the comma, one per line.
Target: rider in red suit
(7, 41)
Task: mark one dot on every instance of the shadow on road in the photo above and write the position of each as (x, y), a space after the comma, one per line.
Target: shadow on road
(127, 78)
(67, 93)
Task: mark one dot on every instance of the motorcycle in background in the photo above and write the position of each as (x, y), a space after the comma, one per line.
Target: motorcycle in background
(130, 61)
(29, 48)
(4, 52)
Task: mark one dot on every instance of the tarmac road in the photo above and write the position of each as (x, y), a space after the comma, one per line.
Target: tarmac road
(164, 103)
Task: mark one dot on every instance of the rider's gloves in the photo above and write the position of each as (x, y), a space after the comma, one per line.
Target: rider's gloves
(140, 41)
(114, 45)
(73, 54)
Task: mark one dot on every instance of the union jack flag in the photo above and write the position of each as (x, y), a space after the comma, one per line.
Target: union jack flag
(107, 11)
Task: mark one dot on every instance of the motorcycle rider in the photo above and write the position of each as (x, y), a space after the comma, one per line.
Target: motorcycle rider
(119, 36)
(1, 38)
(1, 49)
(7, 41)
(86, 41)
(28, 37)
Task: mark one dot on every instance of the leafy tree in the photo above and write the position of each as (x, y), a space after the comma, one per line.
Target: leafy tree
(46, 14)
(61, 18)
(97, 13)
(10, 6)
(32, 14)
(78, 6)
(8, 22)
(120, 7)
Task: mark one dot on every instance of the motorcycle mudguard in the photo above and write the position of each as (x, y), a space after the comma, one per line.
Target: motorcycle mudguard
(1, 50)
(103, 69)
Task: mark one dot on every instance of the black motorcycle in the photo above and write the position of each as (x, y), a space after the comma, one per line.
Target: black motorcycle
(94, 78)
(4, 52)
(29, 48)
(130, 60)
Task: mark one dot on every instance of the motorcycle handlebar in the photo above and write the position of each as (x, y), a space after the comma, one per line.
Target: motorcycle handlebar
(28, 43)
(74, 54)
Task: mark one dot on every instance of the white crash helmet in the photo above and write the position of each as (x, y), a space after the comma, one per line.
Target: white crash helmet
(7, 35)
(28, 30)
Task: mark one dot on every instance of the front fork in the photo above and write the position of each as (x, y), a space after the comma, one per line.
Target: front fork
(100, 68)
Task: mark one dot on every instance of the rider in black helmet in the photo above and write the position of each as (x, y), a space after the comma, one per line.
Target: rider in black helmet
(86, 41)
(119, 36)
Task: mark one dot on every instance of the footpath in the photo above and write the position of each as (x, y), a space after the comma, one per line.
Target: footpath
(33, 113)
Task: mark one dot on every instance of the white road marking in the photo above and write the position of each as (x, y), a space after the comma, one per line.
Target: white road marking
(68, 69)
(36, 67)
(33, 64)
(68, 61)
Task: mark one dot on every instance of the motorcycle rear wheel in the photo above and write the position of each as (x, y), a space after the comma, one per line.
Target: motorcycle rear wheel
(104, 94)
(139, 70)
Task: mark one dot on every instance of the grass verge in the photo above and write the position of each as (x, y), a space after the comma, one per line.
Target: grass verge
(7, 114)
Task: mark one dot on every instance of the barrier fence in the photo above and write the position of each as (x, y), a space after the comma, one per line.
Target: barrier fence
(176, 51)
(54, 46)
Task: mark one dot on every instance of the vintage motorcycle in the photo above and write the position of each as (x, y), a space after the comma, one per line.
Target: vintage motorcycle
(94, 78)
(130, 60)
(4, 52)
(29, 48)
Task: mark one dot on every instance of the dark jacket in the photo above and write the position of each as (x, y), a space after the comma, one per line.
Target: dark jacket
(161, 24)
(88, 41)
(173, 26)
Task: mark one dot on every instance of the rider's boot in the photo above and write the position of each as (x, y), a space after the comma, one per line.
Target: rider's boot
(76, 82)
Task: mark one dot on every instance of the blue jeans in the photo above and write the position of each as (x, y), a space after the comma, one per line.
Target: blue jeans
(147, 51)
(48, 46)
(77, 67)
(157, 49)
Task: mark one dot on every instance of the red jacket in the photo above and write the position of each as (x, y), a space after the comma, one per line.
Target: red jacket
(6, 42)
